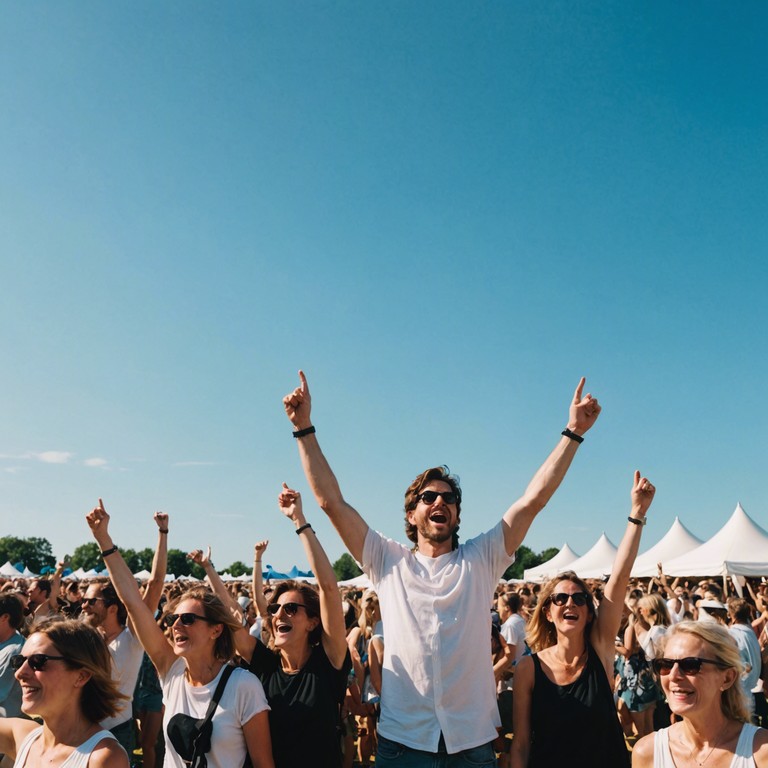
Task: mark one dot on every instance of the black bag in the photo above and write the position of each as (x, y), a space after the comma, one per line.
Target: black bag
(191, 736)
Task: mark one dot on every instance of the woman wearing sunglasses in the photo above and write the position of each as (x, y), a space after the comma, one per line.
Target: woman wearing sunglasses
(563, 708)
(65, 672)
(190, 658)
(305, 675)
(700, 669)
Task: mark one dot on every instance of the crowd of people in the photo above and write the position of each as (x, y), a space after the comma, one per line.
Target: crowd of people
(439, 663)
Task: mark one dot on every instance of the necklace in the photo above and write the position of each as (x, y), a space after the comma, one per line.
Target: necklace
(709, 754)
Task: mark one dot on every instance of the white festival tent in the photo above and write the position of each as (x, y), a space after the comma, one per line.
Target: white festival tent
(560, 562)
(677, 541)
(739, 548)
(9, 571)
(598, 562)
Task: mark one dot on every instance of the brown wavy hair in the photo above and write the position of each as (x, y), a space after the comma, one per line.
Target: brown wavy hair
(84, 647)
(541, 631)
(414, 489)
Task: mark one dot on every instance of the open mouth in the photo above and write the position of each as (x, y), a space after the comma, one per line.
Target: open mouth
(439, 517)
(570, 616)
(283, 629)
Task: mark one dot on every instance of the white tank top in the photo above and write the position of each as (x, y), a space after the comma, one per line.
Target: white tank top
(662, 757)
(78, 758)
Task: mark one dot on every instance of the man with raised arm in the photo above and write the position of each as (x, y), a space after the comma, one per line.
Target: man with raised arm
(438, 691)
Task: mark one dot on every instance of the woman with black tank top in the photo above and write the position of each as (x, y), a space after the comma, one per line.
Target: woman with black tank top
(564, 712)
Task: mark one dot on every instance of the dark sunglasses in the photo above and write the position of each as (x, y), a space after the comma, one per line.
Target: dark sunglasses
(36, 661)
(561, 598)
(690, 665)
(289, 609)
(187, 619)
(429, 497)
(91, 600)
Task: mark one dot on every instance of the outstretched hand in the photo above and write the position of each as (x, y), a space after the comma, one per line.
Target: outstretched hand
(289, 502)
(642, 494)
(298, 404)
(584, 410)
(260, 547)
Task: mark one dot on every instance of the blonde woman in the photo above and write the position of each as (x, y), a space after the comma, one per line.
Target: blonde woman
(700, 669)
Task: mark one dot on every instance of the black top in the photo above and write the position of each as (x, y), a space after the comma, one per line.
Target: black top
(305, 718)
(576, 724)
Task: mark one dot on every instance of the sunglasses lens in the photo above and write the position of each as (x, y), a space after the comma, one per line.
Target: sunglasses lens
(690, 666)
(429, 497)
(187, 619)
(579, 599)
(17, 661)
(290, 609)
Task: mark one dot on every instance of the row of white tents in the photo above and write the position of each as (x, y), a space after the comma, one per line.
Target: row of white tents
(739, 549)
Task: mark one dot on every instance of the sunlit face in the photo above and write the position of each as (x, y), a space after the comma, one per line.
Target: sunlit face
(687, 694)
(51, 690)
(94, 607)
(437, 521)
(569, 618)
(292, 630)
(197, 638)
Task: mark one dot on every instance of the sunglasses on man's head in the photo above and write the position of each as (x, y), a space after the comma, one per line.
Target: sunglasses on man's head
(187, 619)
(36, 661)
(690, 665)
(429, 497)
(561, 598)
(289, 609)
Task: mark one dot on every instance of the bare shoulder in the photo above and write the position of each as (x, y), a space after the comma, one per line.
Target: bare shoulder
(108, 754)
(524, 672)
(760, 748)
(642, 752)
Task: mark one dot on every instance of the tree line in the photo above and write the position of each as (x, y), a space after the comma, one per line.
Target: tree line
(37, 554)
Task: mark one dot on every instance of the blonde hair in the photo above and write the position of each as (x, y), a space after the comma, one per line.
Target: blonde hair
(656, 605)
(725, 651)
(541, 631)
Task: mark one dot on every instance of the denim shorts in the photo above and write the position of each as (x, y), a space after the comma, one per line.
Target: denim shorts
(391, 753)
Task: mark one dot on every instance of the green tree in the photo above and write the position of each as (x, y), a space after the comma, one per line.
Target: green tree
(547, 554)
(525, 557)
(144, 559)
(178, 563)
(86, 556)
(238, 568)
(35, 553)
(346, 567)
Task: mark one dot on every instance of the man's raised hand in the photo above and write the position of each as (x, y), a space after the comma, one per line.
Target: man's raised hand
(161, 518)
(642, 494)
(298, 404)
(584, 410)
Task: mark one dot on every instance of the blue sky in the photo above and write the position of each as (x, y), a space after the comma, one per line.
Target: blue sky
(444, 212)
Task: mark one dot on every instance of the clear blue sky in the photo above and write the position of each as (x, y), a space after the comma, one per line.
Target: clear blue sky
(445, 212)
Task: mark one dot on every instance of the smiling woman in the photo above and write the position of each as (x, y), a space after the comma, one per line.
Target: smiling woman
(699, 670)
(65, 674)
(563, 705)
(191, 663)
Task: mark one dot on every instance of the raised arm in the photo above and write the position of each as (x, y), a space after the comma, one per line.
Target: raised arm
(334, 637)
(53, 598)
(259, 548)
(149, 633)
(604, 631)
(345, 518)
(244, 642)
(582, 415)
(154, 587)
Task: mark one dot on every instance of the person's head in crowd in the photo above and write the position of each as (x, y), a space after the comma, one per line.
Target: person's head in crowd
(82, 677)
(11, 615)
(541, 629)
(436, 479)
(739, 610)
(713, 592)
(654, 609)
(217, 625)
(713, 680)
(306, 619)
(101, 607)
(712, 611)
(39, 591)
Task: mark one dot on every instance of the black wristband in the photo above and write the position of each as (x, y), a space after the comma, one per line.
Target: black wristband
(304, 528)
(572, 435)
(162, 530)
(637, 520)
(110, 551)
(303, 432)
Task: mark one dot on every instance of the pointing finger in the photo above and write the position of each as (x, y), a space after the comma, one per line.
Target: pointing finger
(579, 390)
(303, 379)
(101, 506)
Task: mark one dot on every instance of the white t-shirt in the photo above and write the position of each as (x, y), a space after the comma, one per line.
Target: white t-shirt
(243, 698)
(126, 652)
(437, 673)
(513, 631)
